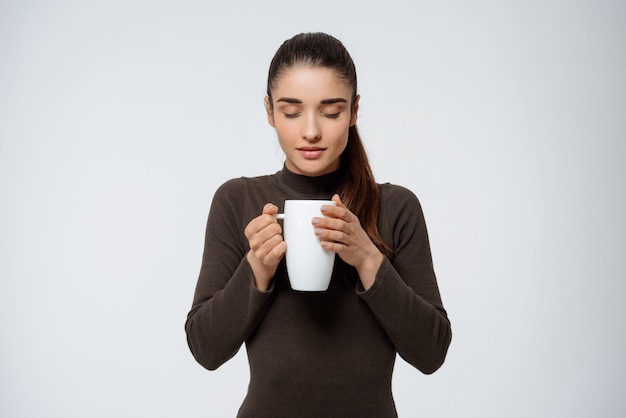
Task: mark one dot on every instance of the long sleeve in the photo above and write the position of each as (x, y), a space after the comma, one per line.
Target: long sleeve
(405, 297)
(227, 307)
(316, 354)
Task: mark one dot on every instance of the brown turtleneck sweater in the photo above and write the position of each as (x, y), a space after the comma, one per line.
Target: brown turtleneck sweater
(320, 354)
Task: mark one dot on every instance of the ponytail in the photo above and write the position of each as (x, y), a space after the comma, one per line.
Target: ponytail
(359, 191)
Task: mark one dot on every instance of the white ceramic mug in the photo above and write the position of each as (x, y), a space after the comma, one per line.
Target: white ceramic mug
(309, 266)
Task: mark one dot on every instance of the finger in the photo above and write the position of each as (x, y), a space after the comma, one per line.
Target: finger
(268, 232)
(270, 209)
(343, 210)
(332, 235)
(337, 212)
(276, 254)
(261, 221)
(338, 201)
(270, 249)
(258, 224)
(335, 247)
(336, 224)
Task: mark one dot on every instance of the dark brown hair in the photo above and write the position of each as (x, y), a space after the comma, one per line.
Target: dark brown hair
(358, 190)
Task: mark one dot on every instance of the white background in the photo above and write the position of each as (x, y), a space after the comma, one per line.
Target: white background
(118, 120)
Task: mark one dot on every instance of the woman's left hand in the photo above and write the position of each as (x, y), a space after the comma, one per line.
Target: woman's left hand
(343, 234)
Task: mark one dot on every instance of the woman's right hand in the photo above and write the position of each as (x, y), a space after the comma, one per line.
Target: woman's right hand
(267, 247)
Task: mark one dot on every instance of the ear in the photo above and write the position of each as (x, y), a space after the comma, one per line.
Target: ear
(270, 111)
(355, 111)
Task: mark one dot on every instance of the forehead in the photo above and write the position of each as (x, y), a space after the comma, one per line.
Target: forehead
(311, 83)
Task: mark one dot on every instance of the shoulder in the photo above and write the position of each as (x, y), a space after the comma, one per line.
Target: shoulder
(236, 198)
(401, 217)
(393, 195)
(243, 194)
(399, 207)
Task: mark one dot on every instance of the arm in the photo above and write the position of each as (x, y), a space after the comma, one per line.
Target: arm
(227, 306)
(405, 297)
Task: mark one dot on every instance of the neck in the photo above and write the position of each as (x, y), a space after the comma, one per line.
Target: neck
(305, 187)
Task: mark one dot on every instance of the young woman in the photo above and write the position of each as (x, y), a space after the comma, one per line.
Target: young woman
(329, 353)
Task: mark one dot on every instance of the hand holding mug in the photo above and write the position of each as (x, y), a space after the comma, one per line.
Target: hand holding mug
(267, 247)
(341, 232)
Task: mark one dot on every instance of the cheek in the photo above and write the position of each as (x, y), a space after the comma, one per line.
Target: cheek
(344, 145)
(286, 138)
(342, 138)
(284, 131)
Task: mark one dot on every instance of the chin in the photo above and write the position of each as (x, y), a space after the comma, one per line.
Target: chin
(314, 170)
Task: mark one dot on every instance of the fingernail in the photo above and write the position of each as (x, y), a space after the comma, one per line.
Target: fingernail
(315, 221)
(324, 208)
(318, 231)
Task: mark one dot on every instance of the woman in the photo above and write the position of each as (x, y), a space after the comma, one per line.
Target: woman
(325, 353)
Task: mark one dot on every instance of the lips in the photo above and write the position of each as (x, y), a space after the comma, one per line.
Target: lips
(311, 153)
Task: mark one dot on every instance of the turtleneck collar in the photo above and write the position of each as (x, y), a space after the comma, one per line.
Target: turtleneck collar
(304, 187)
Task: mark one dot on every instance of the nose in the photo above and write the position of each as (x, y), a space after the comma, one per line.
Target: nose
(310, 129)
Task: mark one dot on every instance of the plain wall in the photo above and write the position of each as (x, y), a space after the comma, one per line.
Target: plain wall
(119, 119)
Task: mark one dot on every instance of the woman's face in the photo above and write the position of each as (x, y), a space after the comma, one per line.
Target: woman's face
(311, 112)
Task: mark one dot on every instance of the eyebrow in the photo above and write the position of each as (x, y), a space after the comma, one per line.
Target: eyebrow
(325, 101)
